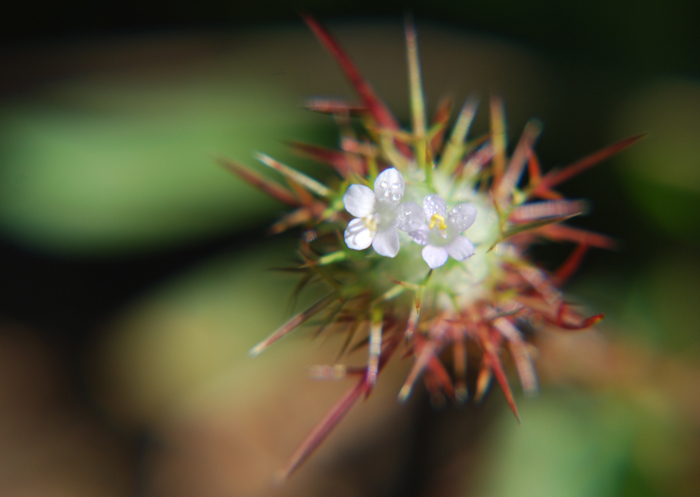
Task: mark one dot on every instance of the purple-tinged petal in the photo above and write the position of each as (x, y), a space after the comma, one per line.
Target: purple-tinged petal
(357, 235)
(434, 204)
(386, 242)
(420, 236)
(434, 256)
(460, 248)
(409, 217)
(461, 217)
(359, 200)
(389, 186)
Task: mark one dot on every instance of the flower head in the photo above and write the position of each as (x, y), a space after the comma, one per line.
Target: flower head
(379, 213)
(441, 236)
(398, 305)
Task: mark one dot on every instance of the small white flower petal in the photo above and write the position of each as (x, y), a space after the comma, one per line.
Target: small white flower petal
(359, 200)
(389, 186)
(386, 242)
(461, 217)
(460, 248)
(434, 256)
(420, 236)
(357, 235)
(409, 216)
(434, 204)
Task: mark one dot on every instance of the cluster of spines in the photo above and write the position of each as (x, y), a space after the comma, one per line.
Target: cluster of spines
(520, 293)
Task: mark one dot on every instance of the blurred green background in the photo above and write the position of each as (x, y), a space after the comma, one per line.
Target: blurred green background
(135, 271)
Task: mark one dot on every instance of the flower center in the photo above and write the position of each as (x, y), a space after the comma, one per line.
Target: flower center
(371, 221)
(438, 220)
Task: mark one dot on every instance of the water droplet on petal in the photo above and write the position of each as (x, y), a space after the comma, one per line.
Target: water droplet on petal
(387, 184)
(461, 217)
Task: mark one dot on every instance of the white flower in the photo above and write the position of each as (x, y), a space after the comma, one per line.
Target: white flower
(441, 236)
(378, 214)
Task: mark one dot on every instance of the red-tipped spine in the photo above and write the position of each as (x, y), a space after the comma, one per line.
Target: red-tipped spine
(374, 105)
(556, 177)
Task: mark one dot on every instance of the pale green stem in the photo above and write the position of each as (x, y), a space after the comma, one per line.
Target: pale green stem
(517, 162)
(455, 146)
(499, 138)
(309, 183)
(375, 344)
(372, 168)
(417, 101)
(331, 258)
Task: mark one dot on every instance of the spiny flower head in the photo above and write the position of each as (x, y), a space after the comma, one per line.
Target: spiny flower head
(422, 243)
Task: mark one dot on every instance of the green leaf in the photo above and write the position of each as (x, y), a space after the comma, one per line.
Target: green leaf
(95, 167)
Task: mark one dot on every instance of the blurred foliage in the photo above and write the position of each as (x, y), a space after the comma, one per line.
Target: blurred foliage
(190, 332)
(123, 163)
(662, 173)
(111, 165)
(588, 446)
(662, 306)
(176, 364)
(656, 305)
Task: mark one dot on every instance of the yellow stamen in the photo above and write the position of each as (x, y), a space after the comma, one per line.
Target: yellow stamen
(437, 218)
(371, 222)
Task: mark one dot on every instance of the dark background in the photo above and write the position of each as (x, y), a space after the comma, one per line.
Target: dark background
(600, 50)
